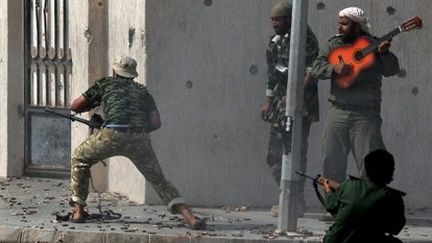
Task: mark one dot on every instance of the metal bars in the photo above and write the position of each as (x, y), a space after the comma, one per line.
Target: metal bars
(51, 62)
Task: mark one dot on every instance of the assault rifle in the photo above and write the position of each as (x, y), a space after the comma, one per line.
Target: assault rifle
(320, 180)
(96, 120)
(335, 185)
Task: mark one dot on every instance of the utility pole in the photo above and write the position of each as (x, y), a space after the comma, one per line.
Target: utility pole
(294, 111)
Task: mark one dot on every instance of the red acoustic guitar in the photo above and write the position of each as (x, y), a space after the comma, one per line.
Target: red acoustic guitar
(361, 54)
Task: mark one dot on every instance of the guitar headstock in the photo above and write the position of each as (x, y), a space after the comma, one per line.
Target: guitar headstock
(413, 23)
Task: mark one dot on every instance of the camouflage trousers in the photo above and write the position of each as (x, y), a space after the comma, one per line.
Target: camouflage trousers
(350, 130)
(276, 149)
(136, 146)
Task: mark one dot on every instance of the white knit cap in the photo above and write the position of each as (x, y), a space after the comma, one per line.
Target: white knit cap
(357, 15)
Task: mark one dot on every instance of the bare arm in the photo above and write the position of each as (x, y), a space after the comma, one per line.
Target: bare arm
(80, 104)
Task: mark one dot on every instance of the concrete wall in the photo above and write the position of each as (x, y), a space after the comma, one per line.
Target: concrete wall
(206, 69)
(11, 88)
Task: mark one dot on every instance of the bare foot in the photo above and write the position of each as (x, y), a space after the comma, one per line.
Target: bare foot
(194, 222)
(78, 214)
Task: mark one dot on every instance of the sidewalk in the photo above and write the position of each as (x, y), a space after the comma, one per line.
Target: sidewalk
(29, 205)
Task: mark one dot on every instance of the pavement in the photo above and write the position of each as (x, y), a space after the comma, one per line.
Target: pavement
(28, 209)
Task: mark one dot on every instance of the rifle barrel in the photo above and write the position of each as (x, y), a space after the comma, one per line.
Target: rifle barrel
(307, 176)
(57, 113)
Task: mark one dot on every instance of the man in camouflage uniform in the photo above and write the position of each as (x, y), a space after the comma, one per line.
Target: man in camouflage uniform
(353, 120)
(366, 209)
(274, 110)
(130, 114)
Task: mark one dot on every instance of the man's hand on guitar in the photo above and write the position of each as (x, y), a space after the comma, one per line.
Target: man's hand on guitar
(384, 47)
(342, 69)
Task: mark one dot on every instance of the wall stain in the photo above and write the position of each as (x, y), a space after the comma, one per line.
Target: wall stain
(391, 10)
(131, 36)
(208, 3)
(402, 73)
(253, 69)
(142, 38)
(189, 84)
(320, 6)
(88, 35)
(415, 91)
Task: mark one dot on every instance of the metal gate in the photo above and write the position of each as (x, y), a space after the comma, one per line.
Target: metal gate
(48, 81)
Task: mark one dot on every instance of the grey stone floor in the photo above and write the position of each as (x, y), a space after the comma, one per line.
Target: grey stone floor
(28, 207)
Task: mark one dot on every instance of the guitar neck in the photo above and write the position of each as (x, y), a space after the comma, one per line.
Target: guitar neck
(374, 46)
(390, 35)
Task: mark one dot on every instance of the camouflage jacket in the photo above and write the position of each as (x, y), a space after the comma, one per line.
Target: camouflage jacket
(366, 89)
(124, 101)
(278, 53)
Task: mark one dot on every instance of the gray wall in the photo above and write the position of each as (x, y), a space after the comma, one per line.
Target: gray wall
(204, 62)
(206, 69)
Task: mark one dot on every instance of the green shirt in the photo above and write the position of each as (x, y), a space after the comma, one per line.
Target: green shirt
(364, 212)
(366, 89)
(124, 101)
(277, 54)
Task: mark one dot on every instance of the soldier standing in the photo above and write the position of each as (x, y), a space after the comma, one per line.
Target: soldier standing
(130, 114)
(353, 120)
(274, 110)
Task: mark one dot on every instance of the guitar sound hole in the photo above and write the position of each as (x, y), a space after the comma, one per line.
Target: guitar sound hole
(358, 56)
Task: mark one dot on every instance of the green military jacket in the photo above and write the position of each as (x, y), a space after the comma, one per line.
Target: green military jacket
(277, 54)
(364, 212)
(124, 101)
(366, 89)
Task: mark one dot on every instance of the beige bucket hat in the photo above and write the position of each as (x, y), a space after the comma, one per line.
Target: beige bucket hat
(125, 66)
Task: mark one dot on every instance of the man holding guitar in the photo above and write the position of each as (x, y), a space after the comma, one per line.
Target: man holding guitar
(274, 109)
(355, 62)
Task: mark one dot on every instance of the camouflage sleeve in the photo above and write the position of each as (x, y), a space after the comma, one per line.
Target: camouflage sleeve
(312, 48)
(321, 69)
(389, 64)
(94, 93)
(271, 79)
(150, 103)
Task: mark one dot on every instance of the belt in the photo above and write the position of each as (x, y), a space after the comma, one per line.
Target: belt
(354, 106)
(128, 129)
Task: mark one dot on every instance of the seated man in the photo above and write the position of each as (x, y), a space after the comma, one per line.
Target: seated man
(366, 210)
